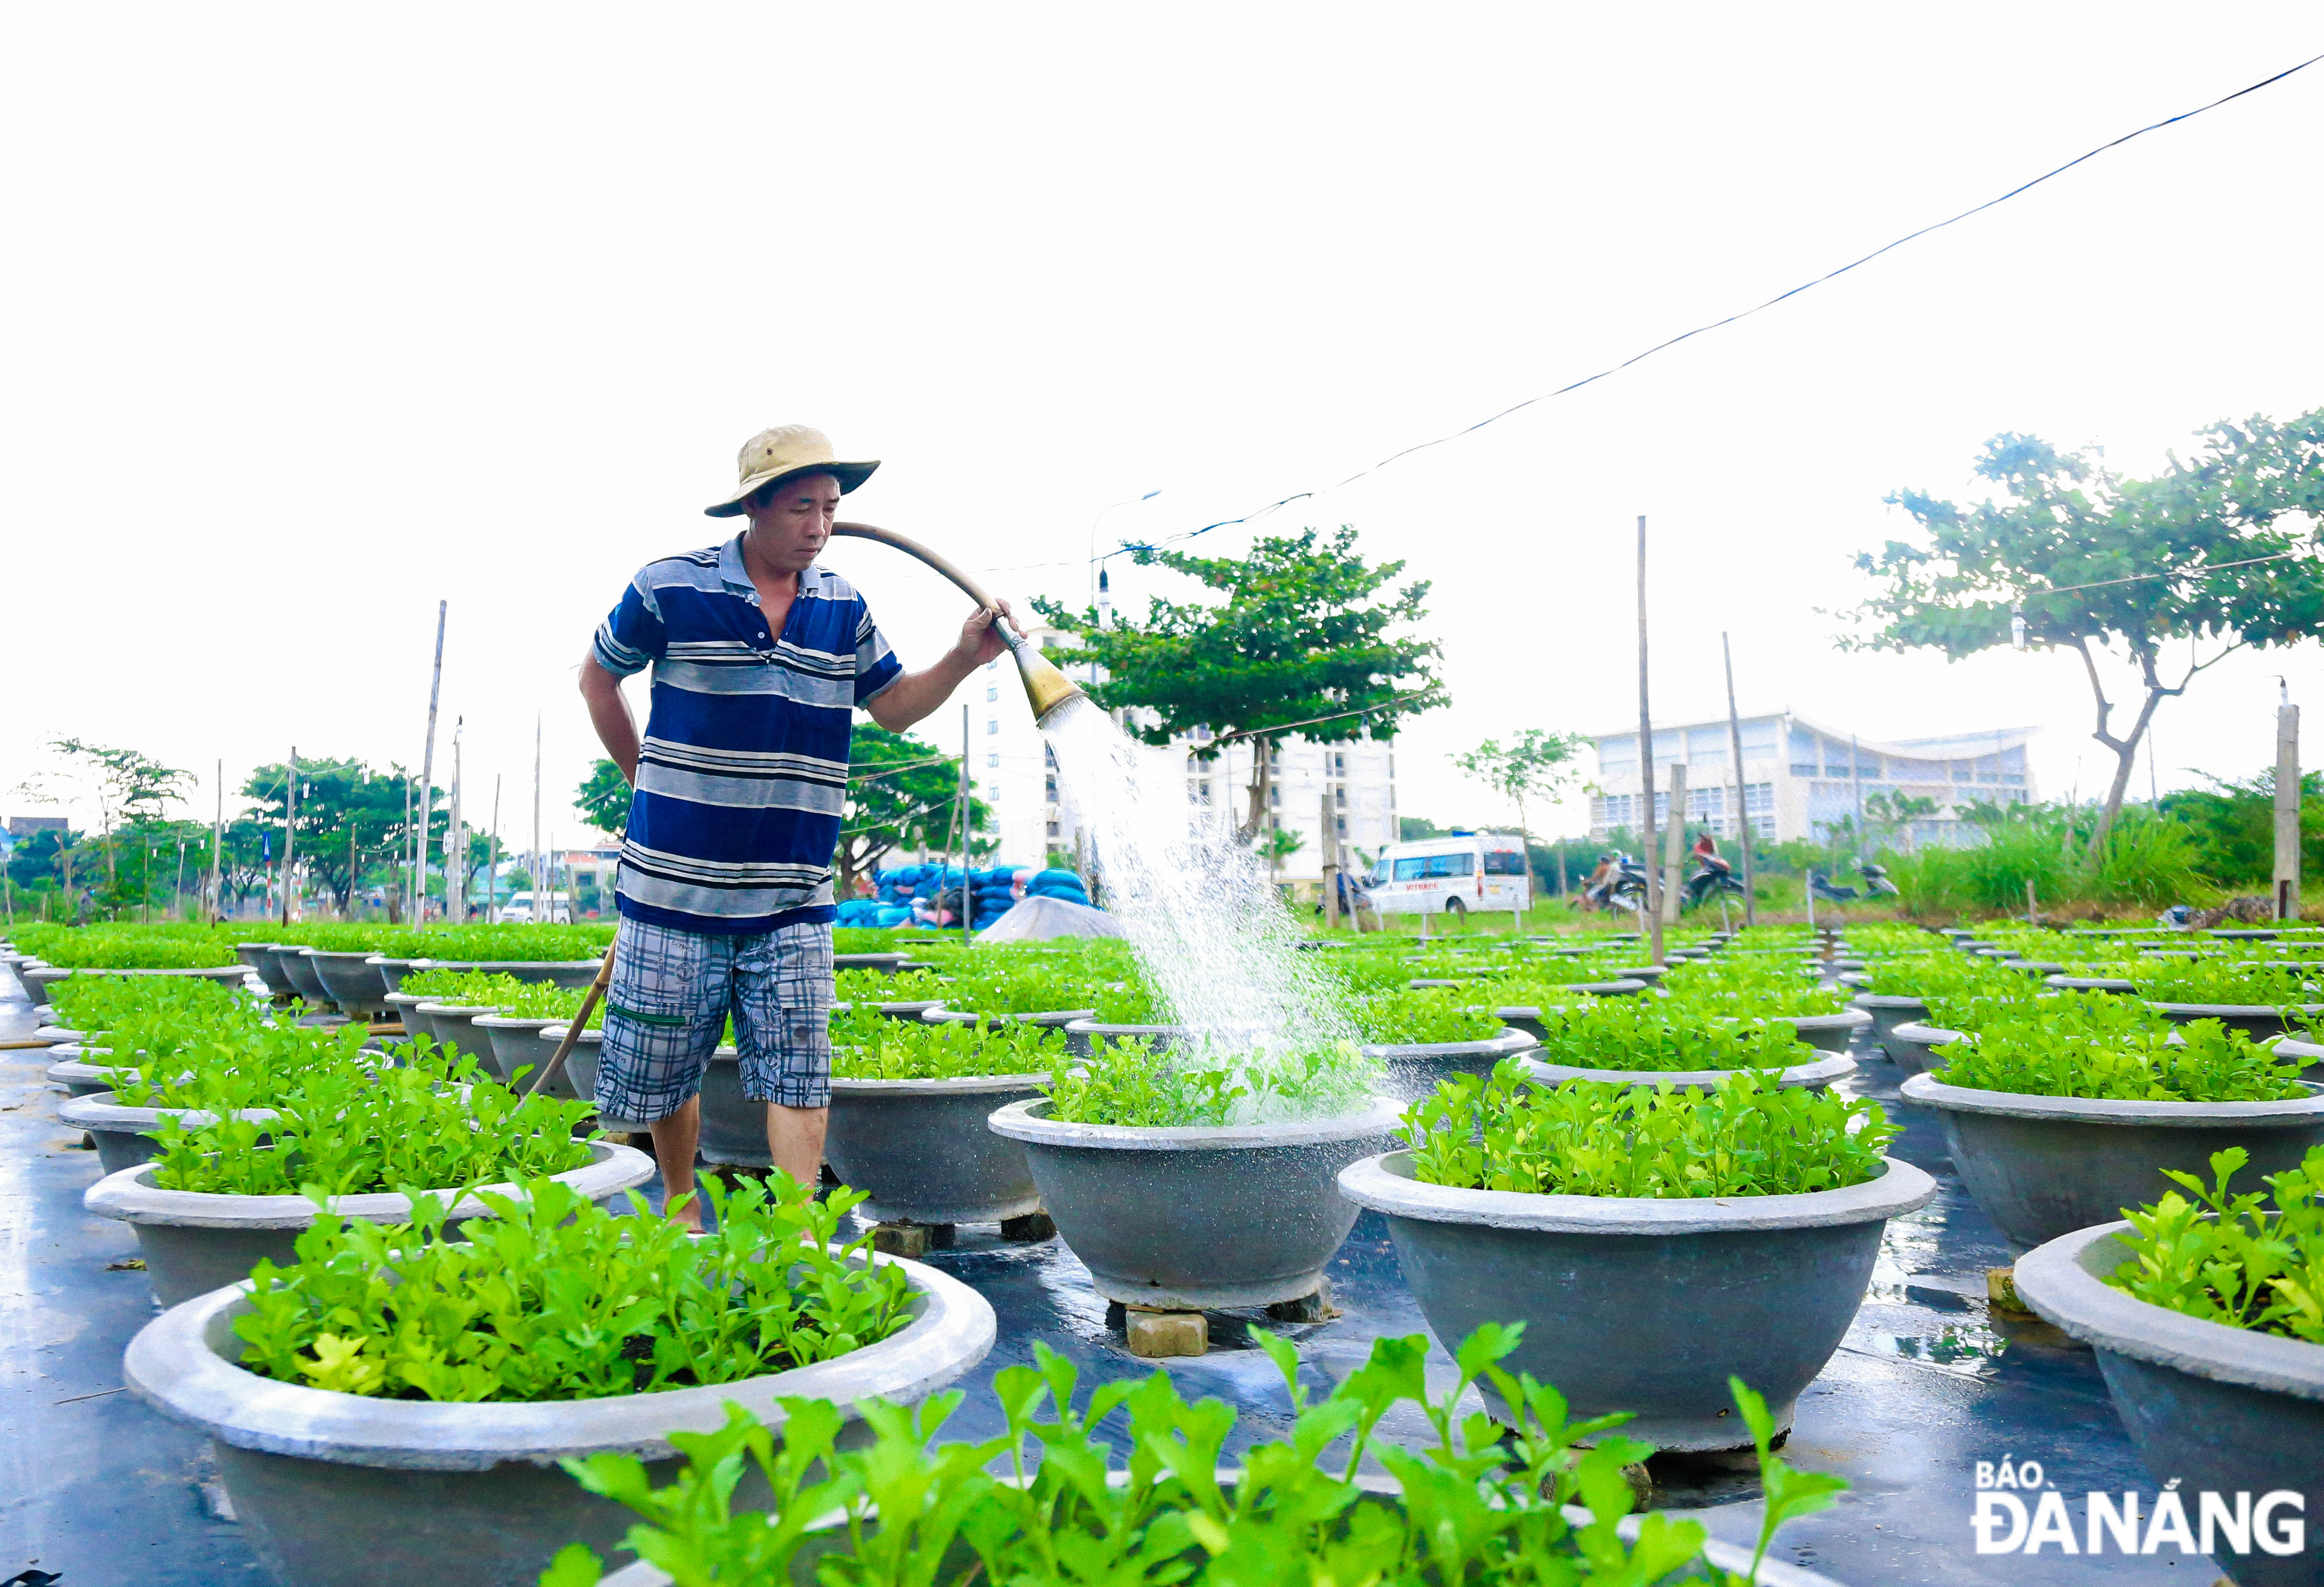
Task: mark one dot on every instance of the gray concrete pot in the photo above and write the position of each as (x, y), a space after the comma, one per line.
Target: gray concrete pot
(405, 1007)
(24, 967)
(194, 1242)
(86, 1079)
(264, 960)
(579, 1074)
(2309, 1054)
(885, 963)
(1817, 1074)
(392, 971)
(1829, 1033)
(1914, 1047)
(1193, 1219)
(911, 1008)
(510, 1043)
(298, 969)
(1081, 1034)
(352, 981)
(124, 1135)
(1649, 973)
(2211, 1408)
(919, 1148)
(1888, 1011)
(733, 1123)
(2256, 1021)
(452, 1025)
(344, 1490)
(1645, 1304)
(2113, 984)
(1049, 1019)
(1416, 1069)
(2044, 1166)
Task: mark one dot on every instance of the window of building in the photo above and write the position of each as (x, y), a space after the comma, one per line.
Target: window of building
(1053, 829)
(1205, 786)
(1275, 793)
(993, 724)
(989, 666)
(1050, 789)
(1049, 757)
(1340, 798)
(992, 758)
(993, 693)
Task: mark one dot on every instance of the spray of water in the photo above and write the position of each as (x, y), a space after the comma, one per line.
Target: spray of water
(1213, 938)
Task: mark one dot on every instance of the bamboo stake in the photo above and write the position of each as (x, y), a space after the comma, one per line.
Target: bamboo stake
(217, 850)
(1647, 772)
(426, 776)
(290, 821)
(1742, 794)
(555, 1065)
(492, 886)
(967, 835)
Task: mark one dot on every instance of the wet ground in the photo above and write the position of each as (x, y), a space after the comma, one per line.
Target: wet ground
(98, 1488)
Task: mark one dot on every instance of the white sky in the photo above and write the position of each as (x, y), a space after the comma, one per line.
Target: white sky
(316, 315)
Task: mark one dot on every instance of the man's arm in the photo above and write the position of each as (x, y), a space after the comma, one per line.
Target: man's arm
(915, 695)
(609, 713)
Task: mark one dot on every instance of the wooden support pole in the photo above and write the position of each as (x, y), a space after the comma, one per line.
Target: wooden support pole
(2287, 809)
(290, 821)
(1654, 910)
(1330, 851)
(1674, 846)
(1742, 790)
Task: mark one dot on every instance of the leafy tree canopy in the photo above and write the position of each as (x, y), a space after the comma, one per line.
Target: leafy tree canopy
(2219, 550)
(1300, 638)
(901, 792)
(339, 801)
(604, 799)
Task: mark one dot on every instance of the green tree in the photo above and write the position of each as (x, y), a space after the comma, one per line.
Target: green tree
(901, 792)
(604, 799)
(1537, 764)
(2097, 564)
(1300, 640)
(349, 817)
(130, 790)
(2235, 825)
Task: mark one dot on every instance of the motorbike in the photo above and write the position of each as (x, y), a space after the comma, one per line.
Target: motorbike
(1710, 882)
(1877, 884)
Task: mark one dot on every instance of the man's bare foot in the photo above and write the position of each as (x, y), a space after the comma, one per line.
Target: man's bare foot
(685, 1213)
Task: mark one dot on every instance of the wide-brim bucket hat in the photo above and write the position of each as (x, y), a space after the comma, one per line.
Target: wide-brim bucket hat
(778, 454)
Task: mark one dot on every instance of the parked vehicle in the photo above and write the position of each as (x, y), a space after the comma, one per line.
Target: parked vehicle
(1451, 875)
(556, 909)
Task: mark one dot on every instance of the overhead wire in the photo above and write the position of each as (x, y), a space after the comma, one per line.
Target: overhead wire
(1720, 324)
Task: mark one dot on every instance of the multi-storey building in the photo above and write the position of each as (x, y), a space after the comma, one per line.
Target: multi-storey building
(1800, 779)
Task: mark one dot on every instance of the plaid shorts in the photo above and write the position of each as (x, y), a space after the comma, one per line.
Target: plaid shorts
(671, 993)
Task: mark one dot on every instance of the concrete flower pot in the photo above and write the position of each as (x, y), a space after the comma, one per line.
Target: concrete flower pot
(298, 970)
(1642, 1304)
(2257, 1020)
(885, 963)
(1828, 1033)
(910, 1009)
(193, 1241)
(510, 1043)
(2213, 1409)
(2113, 984)
(2309, 1054)
(352, 980)
(1049, 1019)
(1191, 1219)
(80, 1078)
(392, 971)
(405, 1008)
(1888, 1011)
(1415, 1068)
(920, 1150)
(264, 961)
(1816, 1074)
(580, 1072)
(453, 1026)
(344, 1490)
(2044, 1166)
(124, 1135)
(1917, 1048)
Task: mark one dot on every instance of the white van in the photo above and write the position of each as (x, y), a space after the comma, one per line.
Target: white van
(1452, 876)
(519, 910)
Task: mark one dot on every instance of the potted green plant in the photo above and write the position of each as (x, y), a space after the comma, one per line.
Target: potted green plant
(1198, 1179)
(2201, 1308)
(1648, 1044)
(391, 1407)
(1653, 1242)
(1419, 1037)
(2054, 1130)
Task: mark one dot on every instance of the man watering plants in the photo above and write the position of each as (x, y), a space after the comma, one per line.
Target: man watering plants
(759, 660)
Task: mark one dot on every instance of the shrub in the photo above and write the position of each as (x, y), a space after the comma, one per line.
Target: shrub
(1747, 1137)
(1483, 1503)
(1127, 1083)
(2034, 1058)
(869, 1046)
(553, 1298)
(2224, 1258)
(1643, 1034)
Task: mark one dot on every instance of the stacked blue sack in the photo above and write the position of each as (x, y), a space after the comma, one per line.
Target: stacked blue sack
(1058, 884)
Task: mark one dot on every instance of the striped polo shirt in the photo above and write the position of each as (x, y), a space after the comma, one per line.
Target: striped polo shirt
(743, 769)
